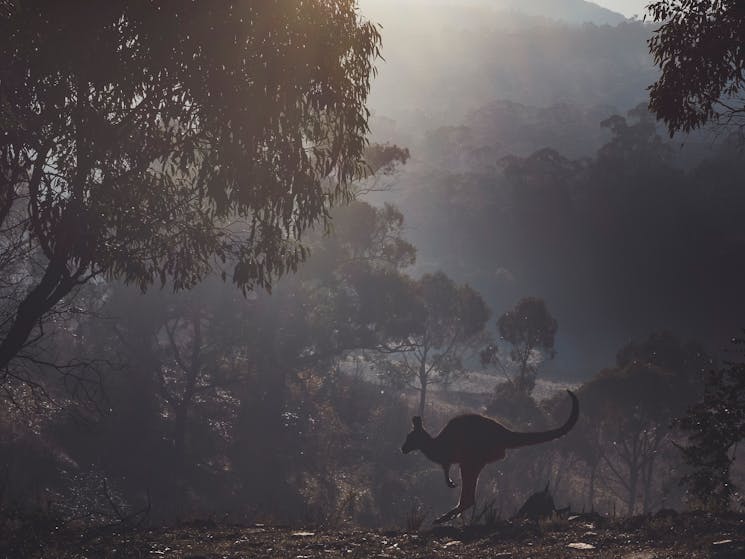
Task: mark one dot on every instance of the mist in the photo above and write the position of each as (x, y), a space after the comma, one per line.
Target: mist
(508, 83)
(254, 258)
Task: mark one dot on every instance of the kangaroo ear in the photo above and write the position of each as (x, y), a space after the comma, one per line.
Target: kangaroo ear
(417, 422)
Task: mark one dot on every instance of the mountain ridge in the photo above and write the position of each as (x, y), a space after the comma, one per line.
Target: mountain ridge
(566, 11)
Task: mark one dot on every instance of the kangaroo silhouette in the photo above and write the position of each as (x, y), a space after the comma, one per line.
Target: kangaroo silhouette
(540, 505)
(473, 441)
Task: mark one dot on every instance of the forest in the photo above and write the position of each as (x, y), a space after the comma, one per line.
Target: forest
(243, 244)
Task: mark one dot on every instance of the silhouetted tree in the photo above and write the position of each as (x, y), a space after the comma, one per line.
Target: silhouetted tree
(449, 319)
(159, 141)
(698, 47)
(516, 406)
(687, 360)
(633, 406)
(635, 146)
(227, 395)
(385, 158)
(530, 329)
(588, 442)
(714, 426)
(199, 354)
(349, 296)
(629, 411)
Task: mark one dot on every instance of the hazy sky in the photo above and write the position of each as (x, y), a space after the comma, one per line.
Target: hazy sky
(625, 7)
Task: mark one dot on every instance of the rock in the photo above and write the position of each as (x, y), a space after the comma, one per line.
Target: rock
(728, 549)
(581, 545)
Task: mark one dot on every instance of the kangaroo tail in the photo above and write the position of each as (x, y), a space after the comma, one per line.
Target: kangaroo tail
(526, 439)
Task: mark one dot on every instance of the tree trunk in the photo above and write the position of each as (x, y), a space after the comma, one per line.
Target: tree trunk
(261, 437)
(423, 380)
(422, 396)
(631, 497)
(648, 474)
(192, 370)
(181, 414)
(591, 488)
(54, 285)
(179, 433)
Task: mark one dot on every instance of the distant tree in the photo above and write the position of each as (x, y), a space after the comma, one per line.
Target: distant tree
(633, 405)
(348, 297)
(200, 355)
(448, 321)
(715, 425)
(542, 184)
(635, 145)
(160, 141)
(588, 442)
(629, 410)
(541, 171)
(688, 360)
(698, 47)
(362, 236)
(517, 407)
(530, 329)
(382, 163)
(385, 158)
(211, 384)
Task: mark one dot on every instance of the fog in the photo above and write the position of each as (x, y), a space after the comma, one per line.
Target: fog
(466, 86)
(232, 283)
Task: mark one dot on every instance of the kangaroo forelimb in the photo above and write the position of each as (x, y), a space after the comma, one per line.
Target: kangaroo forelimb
(448, 480)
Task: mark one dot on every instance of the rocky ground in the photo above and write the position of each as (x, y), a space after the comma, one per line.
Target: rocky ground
(673, 535)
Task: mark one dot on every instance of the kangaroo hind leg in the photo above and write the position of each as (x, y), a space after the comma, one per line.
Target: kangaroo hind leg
(469, 474)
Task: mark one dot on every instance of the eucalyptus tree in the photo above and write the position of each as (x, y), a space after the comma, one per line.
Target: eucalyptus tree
(714, 426)
(157, 142)
(347, 298)
(630, 410)
(698, 47)
(530, 329)
(444, 323)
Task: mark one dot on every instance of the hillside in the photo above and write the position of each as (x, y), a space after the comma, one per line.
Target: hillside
(444, 60)
(569, 11)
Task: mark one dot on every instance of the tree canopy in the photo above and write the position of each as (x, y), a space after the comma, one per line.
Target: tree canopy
(528, 328)
(443, 323)
(159, 141)
(715, 425)
(700, 48)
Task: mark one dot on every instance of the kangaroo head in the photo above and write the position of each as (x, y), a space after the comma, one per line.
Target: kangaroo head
(416, 438)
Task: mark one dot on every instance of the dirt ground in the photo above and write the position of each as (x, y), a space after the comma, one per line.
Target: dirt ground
(673, 535)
